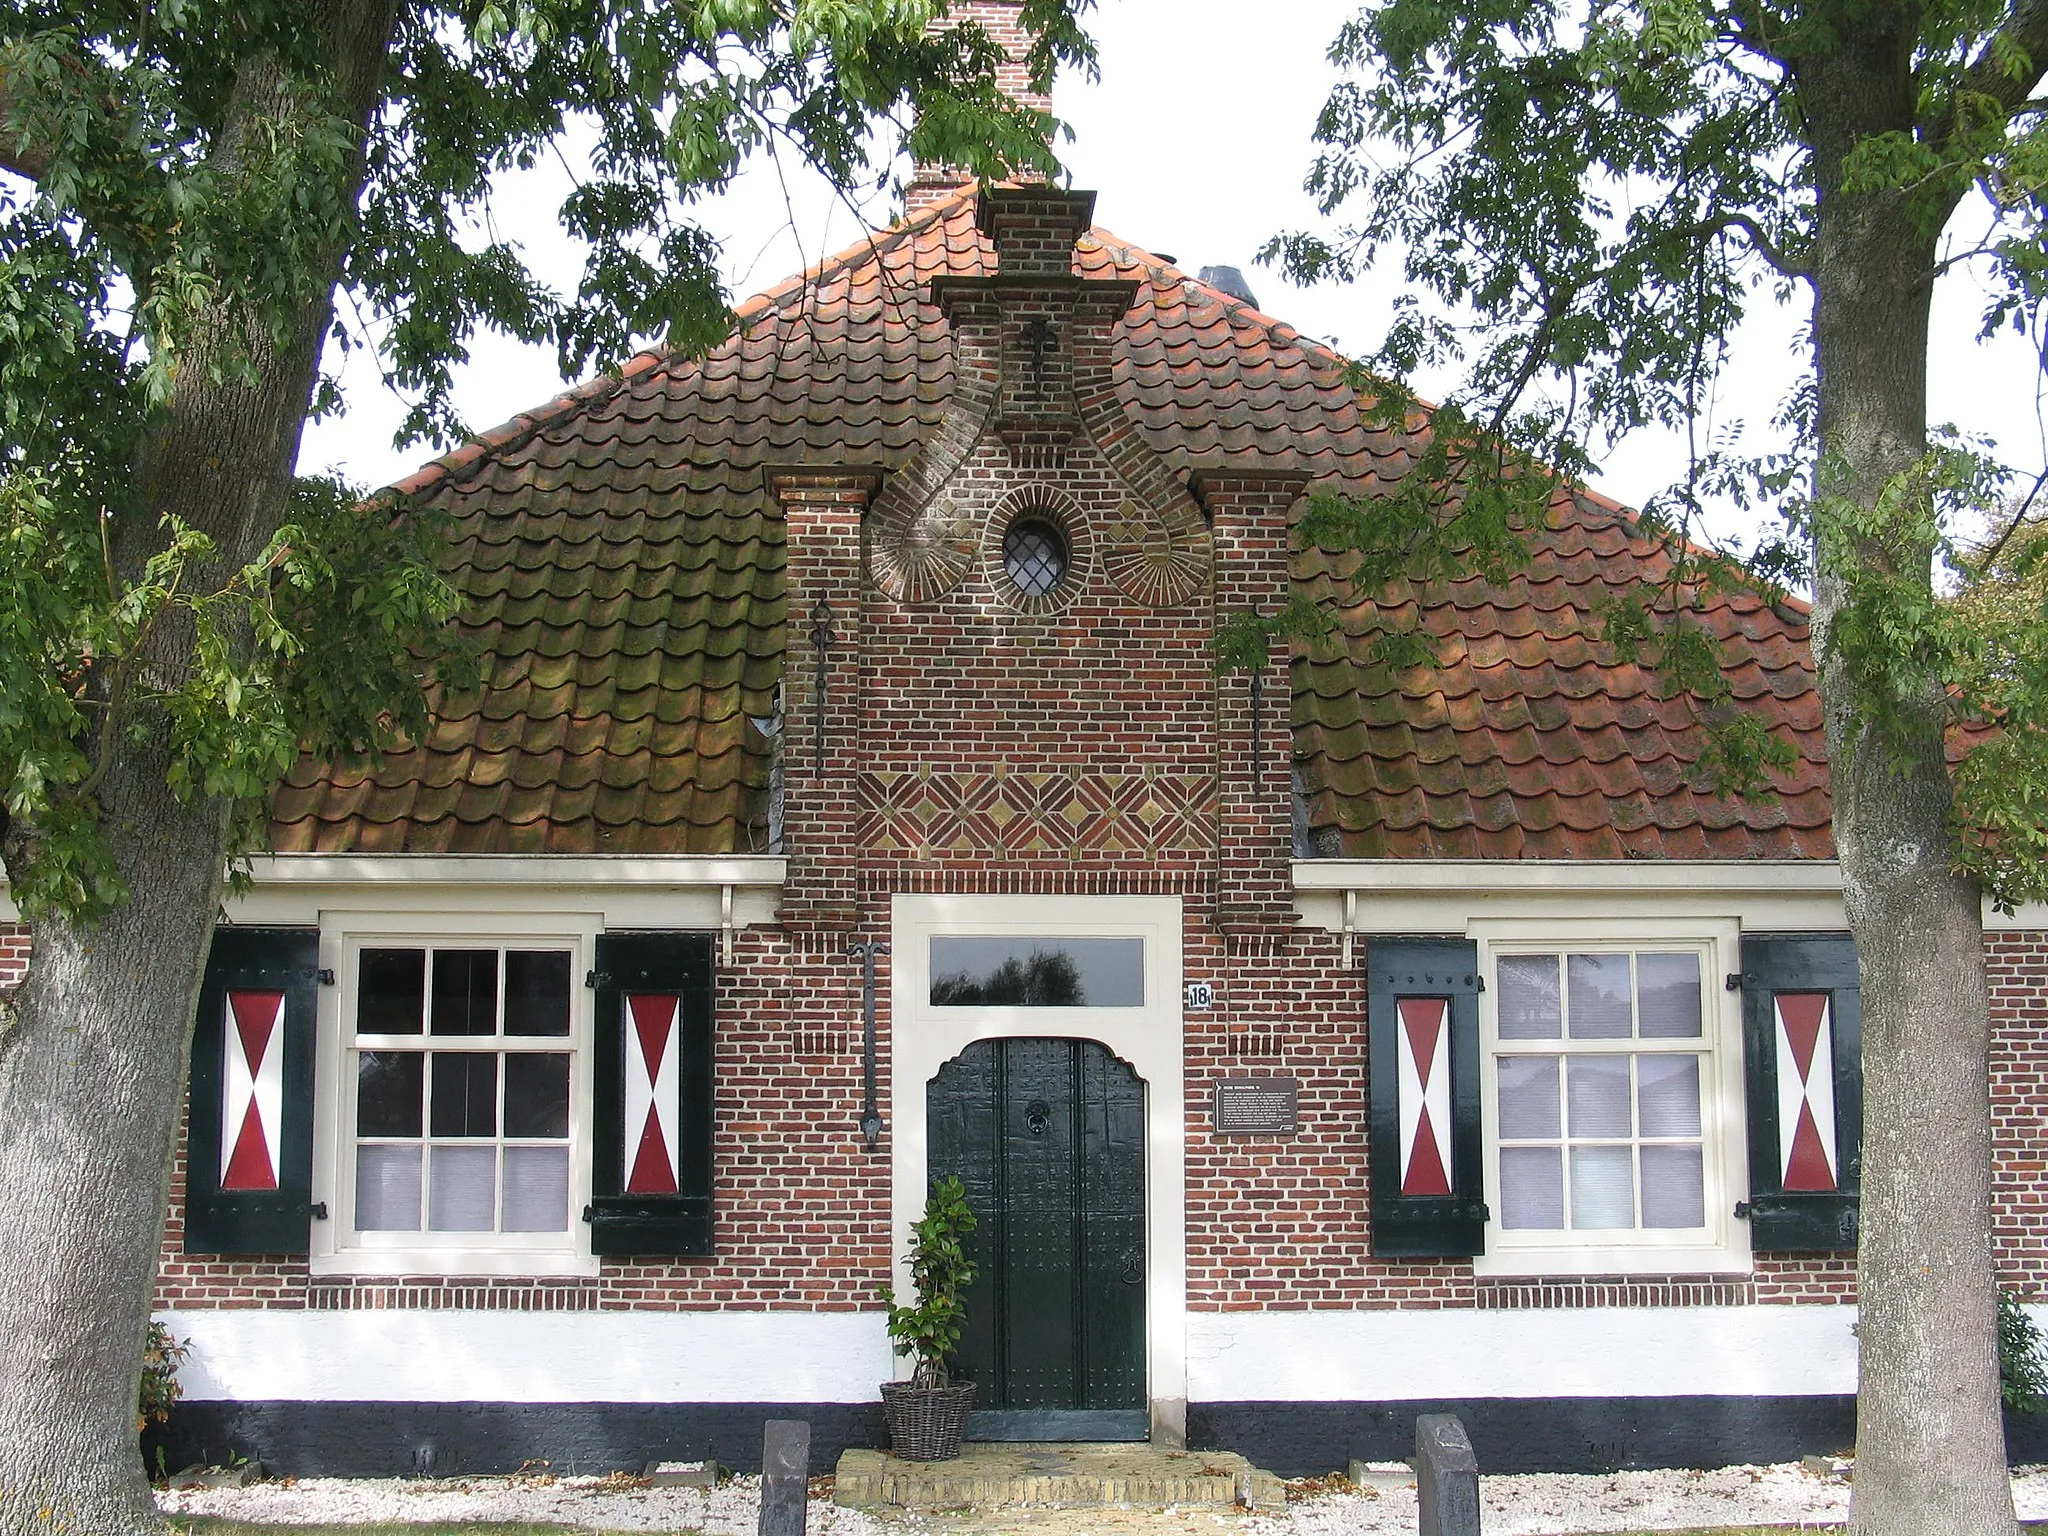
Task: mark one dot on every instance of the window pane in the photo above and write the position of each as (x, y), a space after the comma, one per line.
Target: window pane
(1674, 1187)
(391, 991)
(1528, 997)
(465, 1095)
(1531, 1189)
(1599, 996)
(536, 992)
(465, 991)
(1603, 1188)
(462, 1193)
(536, 1189)
(1598, 1087)
(1528, 1096)
(387, 1189)
(388, 1092)
(536, 1095)
(1668, 997)
(1668, 1095)
(1010, 972)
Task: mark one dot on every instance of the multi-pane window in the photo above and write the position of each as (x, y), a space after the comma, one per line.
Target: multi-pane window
(463, 1068)
(1600, 1062)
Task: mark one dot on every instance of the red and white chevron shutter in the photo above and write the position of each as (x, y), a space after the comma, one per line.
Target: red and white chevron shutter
(252, 1088)
(1424, 1042)
(1806, 1092)
(651, 1093)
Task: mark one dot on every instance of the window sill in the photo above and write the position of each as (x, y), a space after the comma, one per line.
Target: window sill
(453, 1263)
(1533, 1263)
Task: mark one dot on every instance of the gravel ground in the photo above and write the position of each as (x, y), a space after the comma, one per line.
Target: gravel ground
(1514, 1506)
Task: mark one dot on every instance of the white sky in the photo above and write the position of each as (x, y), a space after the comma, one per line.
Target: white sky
(1196, 141)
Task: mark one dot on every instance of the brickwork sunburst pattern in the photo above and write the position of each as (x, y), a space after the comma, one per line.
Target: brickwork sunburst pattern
(1034, 815)
(1155, 558)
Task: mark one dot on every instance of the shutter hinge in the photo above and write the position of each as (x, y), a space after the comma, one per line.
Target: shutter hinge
(317, 1210)
(1480, 1211)
(1732, 982)
(590, 1211)
(324, 976)
(1478, 983)
(1742, 1210)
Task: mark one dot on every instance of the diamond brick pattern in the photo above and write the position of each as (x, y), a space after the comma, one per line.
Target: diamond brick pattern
(624, 565)
(938, 813)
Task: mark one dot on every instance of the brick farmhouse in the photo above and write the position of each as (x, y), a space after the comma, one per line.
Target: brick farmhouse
(1318, 1046)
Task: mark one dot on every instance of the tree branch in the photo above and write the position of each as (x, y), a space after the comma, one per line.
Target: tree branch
(32, 164)
(2025, 29)
(1786, 264)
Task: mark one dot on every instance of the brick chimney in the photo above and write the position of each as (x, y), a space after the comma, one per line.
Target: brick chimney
(1002, 20)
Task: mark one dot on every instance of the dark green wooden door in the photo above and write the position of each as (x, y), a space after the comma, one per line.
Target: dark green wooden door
(1049, 1138)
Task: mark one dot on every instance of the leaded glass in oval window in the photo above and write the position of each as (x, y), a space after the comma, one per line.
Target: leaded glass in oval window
(1035, 556)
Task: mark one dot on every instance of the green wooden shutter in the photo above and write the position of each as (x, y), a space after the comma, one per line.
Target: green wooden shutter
(1422, 1005)
(650, 1185)
(1802, 1041)
(249, 1118)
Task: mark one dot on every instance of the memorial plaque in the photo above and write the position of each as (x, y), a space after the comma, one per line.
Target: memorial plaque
(1258, 1106)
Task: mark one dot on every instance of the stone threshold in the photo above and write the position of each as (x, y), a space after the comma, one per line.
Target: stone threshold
(1056, 1476)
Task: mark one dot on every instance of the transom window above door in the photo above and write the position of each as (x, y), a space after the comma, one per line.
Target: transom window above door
(1023, 971)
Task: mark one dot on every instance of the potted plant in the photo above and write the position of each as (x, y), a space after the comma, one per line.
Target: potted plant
(928, 1413)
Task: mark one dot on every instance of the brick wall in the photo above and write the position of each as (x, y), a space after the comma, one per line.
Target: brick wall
(803, 1208)
(2016, 966)
(13, 954)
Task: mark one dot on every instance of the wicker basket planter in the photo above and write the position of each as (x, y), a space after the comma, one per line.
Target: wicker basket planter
(926, 1423)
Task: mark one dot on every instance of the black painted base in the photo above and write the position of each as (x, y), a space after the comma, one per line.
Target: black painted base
(1566, 1434)
(415, 1439)
(1563, 1434)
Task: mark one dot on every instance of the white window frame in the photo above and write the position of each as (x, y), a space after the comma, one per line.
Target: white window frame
(1722, 1246)
(337, 1248)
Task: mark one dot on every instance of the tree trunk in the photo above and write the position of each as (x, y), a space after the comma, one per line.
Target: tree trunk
(92, 1072)
(1930, 1443)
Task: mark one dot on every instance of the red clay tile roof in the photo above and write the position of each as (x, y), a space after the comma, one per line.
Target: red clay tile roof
(624, 565)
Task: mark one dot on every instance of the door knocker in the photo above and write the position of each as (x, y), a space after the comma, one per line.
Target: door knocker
(1037, 1116)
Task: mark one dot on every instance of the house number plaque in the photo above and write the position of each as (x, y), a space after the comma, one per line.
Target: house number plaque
(1258, 1106)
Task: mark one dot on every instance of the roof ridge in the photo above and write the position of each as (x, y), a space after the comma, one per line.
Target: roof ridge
(466, 457)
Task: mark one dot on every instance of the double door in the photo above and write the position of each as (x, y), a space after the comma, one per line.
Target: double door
(1048, 1137)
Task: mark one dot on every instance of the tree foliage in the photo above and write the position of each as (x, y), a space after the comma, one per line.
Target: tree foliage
(1587, 197)
(178, 193)
(1585, 200)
